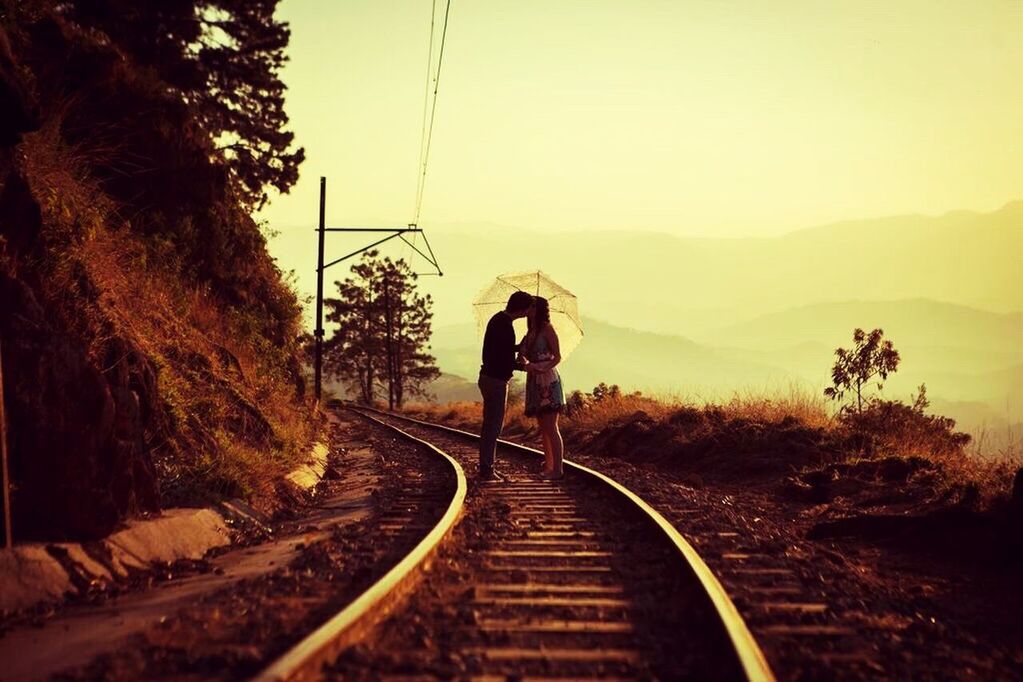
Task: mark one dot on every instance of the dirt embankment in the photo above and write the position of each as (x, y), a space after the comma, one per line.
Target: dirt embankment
(940, 501)
(914, 557)
(148, 340)
(906, 478)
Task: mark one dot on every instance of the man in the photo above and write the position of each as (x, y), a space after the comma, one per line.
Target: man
(499, 362)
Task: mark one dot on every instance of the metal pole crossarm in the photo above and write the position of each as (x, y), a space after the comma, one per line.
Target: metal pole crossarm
(428, 259)
(321, 230)
(356, 253)
(399, 230)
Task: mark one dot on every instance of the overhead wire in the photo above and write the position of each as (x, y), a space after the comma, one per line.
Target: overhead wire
(421, 184)
(426, 102)
(422, 132)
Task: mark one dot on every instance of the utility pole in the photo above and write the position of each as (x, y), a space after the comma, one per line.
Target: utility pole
(318, 366)
(8, 529)
(391, 232)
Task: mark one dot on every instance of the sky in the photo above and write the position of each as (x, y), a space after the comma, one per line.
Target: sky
(708, 118)
(718, 118)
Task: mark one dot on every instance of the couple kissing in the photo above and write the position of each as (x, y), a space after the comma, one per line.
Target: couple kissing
(538, 355)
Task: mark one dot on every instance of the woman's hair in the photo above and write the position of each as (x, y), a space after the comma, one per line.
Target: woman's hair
(541, 316)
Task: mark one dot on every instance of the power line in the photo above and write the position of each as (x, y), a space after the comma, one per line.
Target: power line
(422, 132)
(426, 101)
(421, 185)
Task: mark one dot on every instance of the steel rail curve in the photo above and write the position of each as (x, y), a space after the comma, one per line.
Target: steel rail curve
(304, 660)
(748, 652)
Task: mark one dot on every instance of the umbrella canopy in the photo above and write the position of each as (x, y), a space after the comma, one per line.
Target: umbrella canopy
(563, 303)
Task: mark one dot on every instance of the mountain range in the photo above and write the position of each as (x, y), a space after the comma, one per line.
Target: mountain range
(688, 286)
(703, 318)
(980, 385)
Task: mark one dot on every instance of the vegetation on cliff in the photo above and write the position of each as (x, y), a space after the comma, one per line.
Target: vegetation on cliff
(149, 341)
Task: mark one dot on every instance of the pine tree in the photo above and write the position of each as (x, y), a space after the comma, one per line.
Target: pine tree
(223, 58)
(353, 354)
(408, 318)
(383, 334)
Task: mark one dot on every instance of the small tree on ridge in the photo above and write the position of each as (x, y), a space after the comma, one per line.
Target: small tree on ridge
(872, 357)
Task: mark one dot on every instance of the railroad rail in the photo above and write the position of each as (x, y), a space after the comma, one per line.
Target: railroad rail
(305, 659)
(577, 578)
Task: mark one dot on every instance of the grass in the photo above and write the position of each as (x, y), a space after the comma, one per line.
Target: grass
(767, 408)
(755, 436)
(228, 423)
(237, 427)
(807, 407)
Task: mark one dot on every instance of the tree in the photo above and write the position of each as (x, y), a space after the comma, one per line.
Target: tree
(892, 427)
(383, 335)
(871, 356)
(602, 392)
(223, 58)
(353, 353)
(407, 330)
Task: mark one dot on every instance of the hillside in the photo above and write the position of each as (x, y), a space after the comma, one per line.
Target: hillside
(149, 340)
(979, 382)
(688, 286)
(633, 359)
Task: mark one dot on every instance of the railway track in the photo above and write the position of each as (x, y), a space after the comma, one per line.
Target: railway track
(569, 579)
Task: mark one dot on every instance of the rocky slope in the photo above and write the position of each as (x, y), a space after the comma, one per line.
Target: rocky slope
(148, 341)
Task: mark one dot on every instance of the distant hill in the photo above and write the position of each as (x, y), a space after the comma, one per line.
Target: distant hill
(448, 388)
(633, 359)
(916, 322)
(975, 351)
(688, 286)
(962, 353)
(979, 383)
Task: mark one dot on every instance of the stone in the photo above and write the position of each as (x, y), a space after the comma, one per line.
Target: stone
(30, 575)
(306, 476)
(176, 534)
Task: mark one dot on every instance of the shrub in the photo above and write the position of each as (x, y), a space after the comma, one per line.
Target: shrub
(891, 427)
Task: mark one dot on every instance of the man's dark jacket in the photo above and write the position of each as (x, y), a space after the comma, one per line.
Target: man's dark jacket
(499, 348)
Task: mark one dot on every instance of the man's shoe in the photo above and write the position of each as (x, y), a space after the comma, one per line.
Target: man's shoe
(491, 477)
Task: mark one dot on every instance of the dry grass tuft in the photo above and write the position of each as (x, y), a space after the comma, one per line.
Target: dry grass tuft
(212, 381)
(230, 425)
(797, 403)
(808, 407)
(758, 436)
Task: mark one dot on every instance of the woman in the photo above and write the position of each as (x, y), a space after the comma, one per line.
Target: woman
(544, 396)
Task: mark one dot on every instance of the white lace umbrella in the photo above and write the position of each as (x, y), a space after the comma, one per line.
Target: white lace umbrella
(563, 303)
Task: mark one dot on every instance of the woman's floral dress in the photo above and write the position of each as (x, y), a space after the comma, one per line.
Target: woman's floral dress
(543, 389)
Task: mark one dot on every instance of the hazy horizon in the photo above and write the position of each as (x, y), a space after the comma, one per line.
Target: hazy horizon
(687, 168)
(469, 226)
(690, 117)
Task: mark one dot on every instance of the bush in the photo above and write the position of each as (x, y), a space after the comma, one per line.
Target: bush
(150, 337)
(891, 427)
